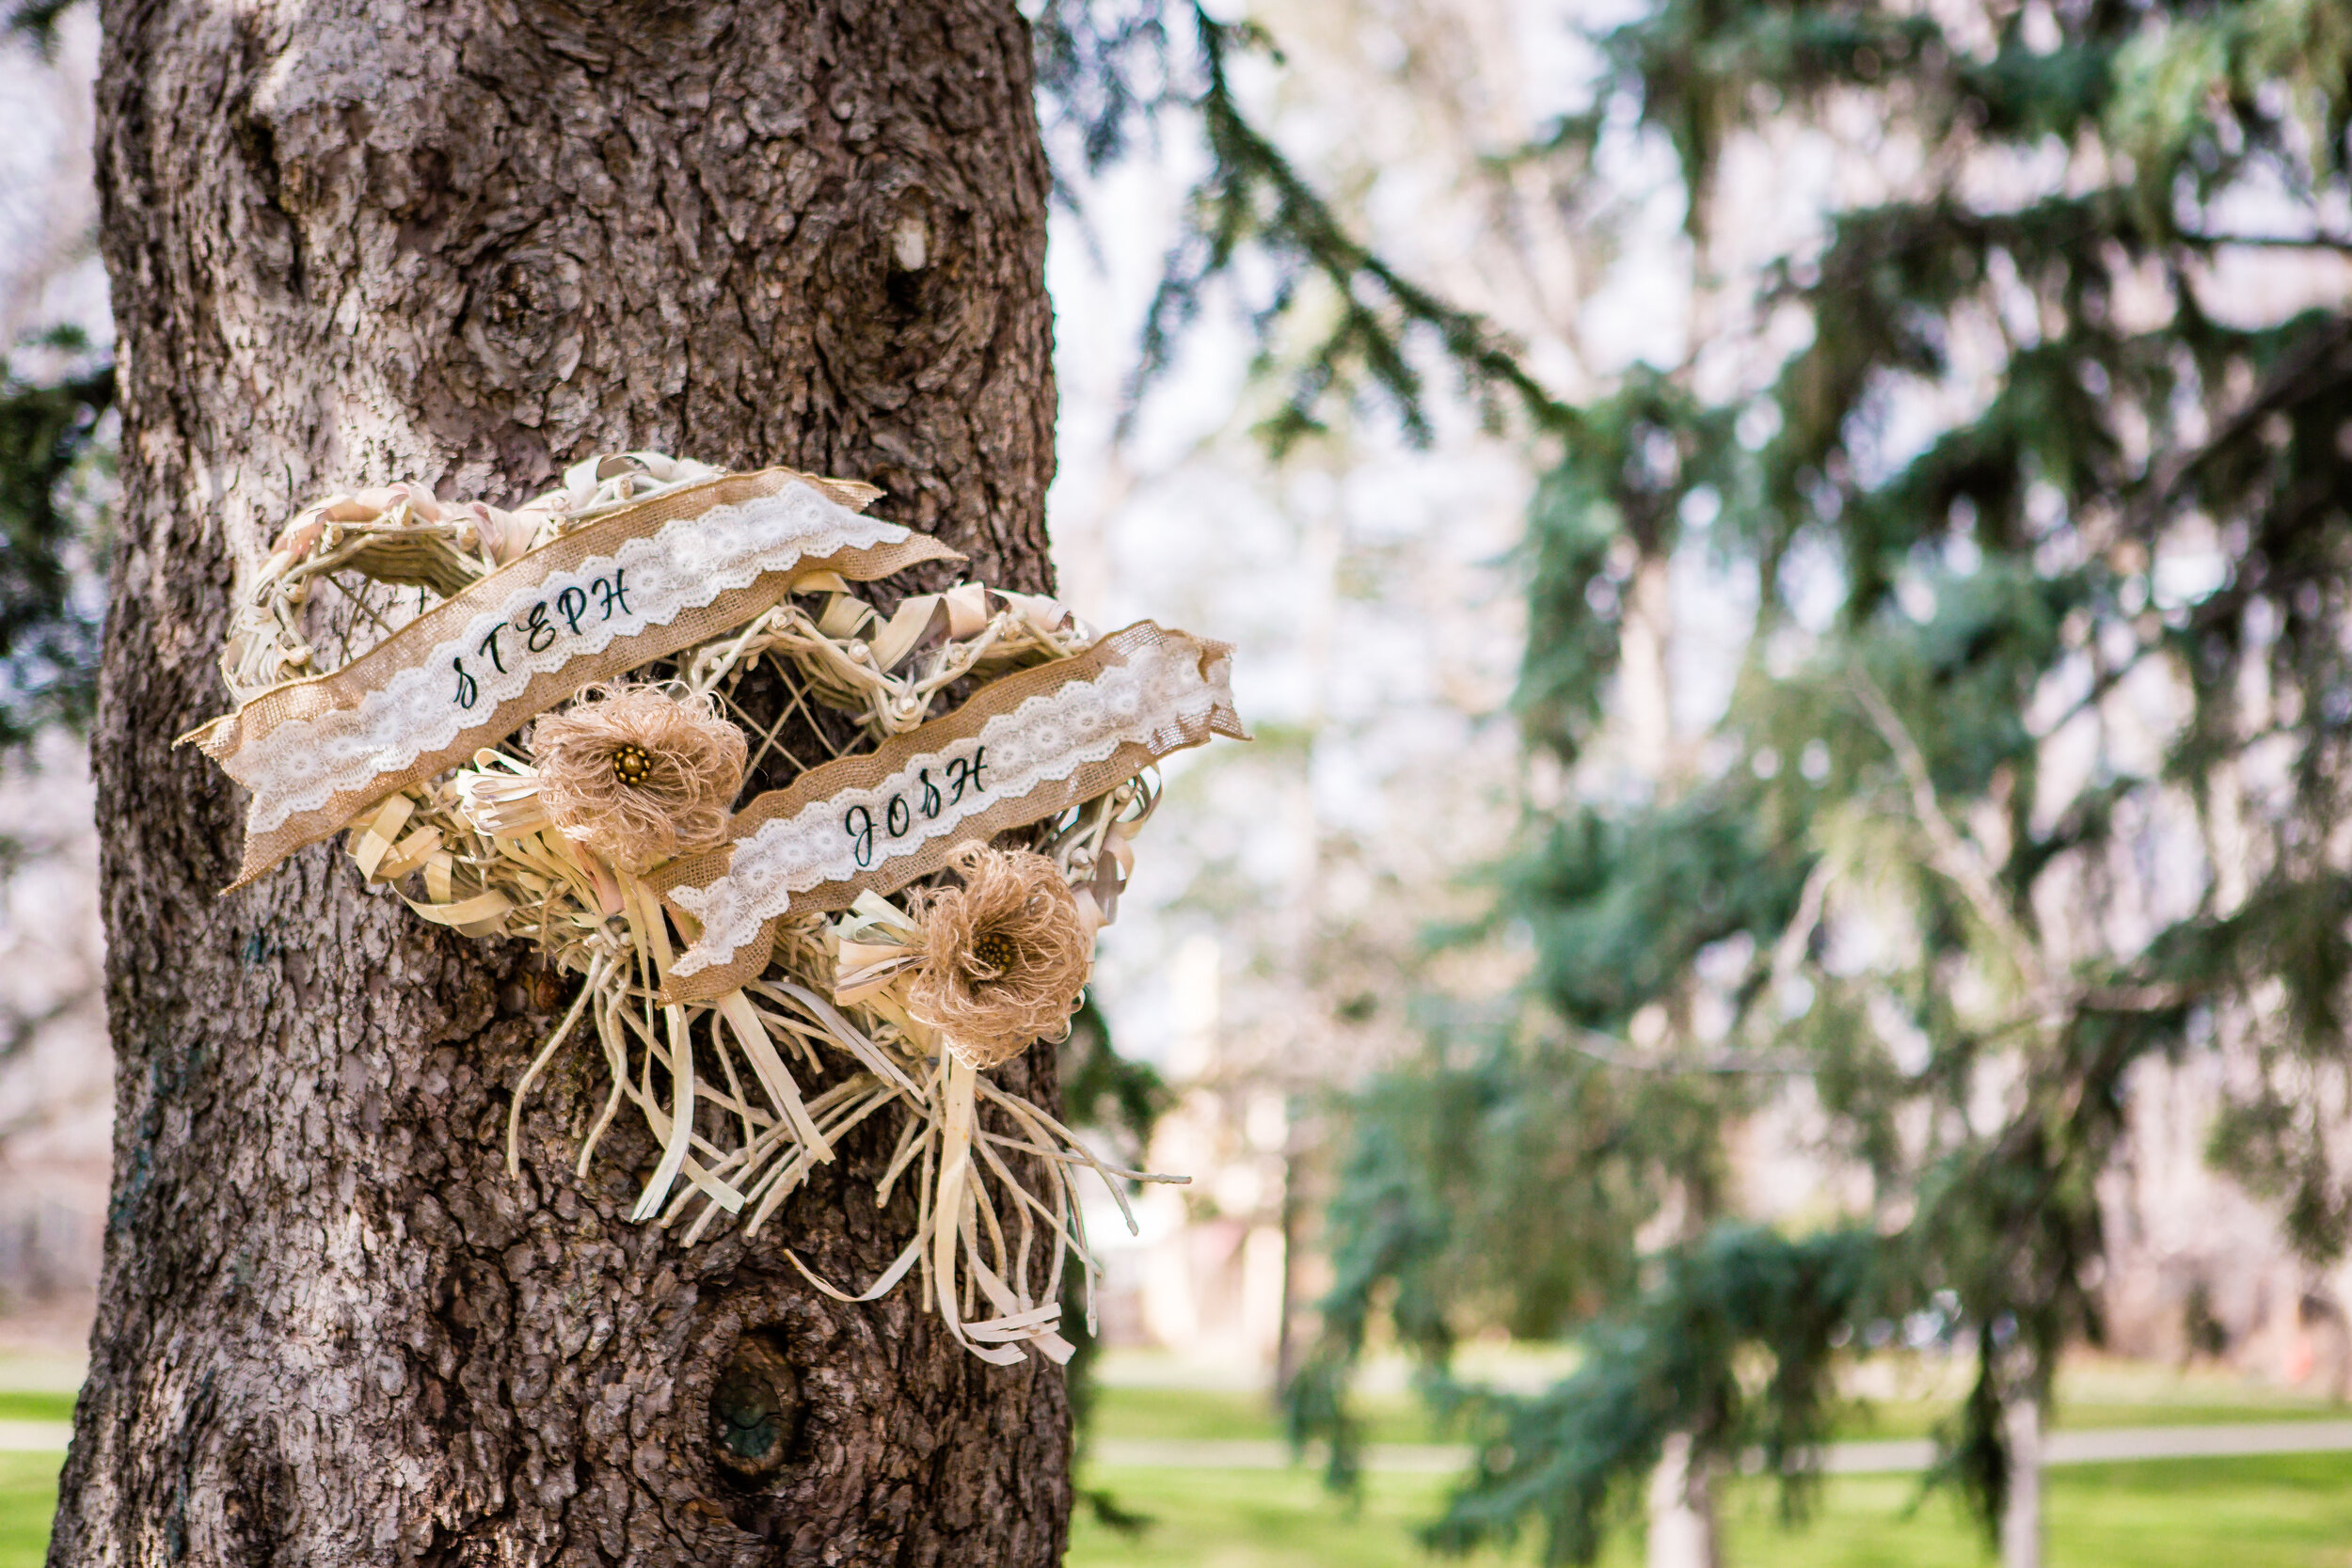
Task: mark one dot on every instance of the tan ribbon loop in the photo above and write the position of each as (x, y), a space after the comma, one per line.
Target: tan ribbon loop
(1027, 747)
(633, 585)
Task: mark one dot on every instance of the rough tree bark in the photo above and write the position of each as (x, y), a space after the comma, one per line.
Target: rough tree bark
(466, 244)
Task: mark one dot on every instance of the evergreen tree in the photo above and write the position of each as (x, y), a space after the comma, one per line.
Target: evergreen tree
(53, 445)
(2045, 536)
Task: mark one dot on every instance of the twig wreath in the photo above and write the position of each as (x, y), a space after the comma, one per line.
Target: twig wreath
(542, 724)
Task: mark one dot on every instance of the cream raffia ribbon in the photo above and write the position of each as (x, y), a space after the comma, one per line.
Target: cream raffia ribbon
(636, 584)
(1027, 747)
(962, 1240)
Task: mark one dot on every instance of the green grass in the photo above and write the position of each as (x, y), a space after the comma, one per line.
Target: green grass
(2281, 1511)
(1197, 1414)
(2278, 1512)
(1252, 1519)
(1215, 1414)
(32, 1404)
(28, 1496)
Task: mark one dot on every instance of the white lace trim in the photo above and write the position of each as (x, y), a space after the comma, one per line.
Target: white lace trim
(681, 566)
(1148, 699)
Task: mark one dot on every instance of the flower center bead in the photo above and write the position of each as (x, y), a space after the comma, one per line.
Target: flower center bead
(631, 763)
(996, 950)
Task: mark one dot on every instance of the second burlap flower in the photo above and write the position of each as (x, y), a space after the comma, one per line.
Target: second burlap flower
(1005, 956)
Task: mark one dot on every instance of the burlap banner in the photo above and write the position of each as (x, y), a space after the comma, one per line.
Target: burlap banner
(631, 587)
(1027, 747)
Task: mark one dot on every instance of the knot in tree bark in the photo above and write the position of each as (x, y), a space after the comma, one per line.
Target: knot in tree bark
(755, 1410)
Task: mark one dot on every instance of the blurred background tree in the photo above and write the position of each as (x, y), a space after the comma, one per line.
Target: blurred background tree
(56, 388)
(2023, 483)
(53, 530)
(56, 439)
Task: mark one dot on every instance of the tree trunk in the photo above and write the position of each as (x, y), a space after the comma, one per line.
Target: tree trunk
(466, 244)
(1682, 1529)
(2021, 1511)
(1681, 1504)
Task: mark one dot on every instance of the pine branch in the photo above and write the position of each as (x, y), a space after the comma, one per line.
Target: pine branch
(1614, 1053)
(1954, 854)
(1254, 198)
(2281, 241)
(55, 546)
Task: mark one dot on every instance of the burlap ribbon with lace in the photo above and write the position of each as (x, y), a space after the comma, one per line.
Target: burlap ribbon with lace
(1024, 748)
(627, 588)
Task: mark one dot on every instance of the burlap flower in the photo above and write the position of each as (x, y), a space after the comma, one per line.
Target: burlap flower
(637, 775)
(1005, 956)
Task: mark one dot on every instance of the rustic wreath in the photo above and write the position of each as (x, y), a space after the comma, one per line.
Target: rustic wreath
(622, 828)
